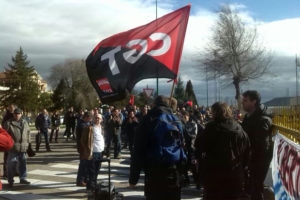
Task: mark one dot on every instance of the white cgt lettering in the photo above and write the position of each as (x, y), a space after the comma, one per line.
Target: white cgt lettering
(166, 44)
(110, 55)
(130, 56)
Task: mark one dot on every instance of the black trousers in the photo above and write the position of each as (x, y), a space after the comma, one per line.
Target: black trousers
(162, 183)
(258, 171)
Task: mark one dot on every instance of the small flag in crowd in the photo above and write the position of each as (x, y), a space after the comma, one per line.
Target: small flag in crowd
(131, 100)
(150, 51)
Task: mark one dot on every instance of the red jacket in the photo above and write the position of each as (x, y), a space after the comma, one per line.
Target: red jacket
(6, 141)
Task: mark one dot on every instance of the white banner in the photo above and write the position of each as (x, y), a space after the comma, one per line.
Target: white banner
(286, 169)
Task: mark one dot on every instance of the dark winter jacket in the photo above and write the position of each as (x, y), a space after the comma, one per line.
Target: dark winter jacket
(55, 120)
(113, 126)
(70, 118)
(130, 128)
(42, 122)
(81, 125)
(258, 127)
(156, 178)
(223, 151)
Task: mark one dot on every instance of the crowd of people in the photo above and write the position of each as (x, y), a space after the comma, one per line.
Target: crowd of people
(227, 156)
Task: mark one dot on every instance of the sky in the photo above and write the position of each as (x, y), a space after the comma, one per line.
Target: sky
(55, 30)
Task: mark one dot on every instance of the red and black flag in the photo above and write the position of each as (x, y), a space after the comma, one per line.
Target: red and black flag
(150, 51)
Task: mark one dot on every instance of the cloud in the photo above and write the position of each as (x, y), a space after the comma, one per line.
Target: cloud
(52, 31)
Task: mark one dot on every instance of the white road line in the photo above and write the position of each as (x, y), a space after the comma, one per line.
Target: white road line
(14, 195)
(103, 168)
(139, 194)
(53, 184)
(185, 197)
(112, 164)
(73, 175)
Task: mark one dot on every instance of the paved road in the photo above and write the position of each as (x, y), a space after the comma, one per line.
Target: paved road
(53, 174)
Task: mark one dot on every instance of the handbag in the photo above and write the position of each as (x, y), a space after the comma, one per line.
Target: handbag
(30, 151)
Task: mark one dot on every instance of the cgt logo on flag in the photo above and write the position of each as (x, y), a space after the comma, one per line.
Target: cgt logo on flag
(149, 51)
(104, 85)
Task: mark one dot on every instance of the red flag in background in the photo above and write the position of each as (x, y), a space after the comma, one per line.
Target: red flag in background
(131, 101)
(151, 51)
(189, 103)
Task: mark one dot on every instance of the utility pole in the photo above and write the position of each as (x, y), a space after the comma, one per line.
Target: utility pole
(297, 65)
(206, 88)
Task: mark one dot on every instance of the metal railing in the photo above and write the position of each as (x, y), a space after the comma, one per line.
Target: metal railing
(287, 121)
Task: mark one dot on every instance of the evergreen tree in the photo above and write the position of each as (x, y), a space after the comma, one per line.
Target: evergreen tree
(189, 92)
(21, 79)
(45, 101)
(58, 97)
(179, 91)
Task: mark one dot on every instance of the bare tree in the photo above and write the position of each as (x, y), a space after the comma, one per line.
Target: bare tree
(79, 91)
(234, 53)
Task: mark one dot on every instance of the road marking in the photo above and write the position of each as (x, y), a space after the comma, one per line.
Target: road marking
(73, 175)
(53, 184)
(14, 195)
(103, 168)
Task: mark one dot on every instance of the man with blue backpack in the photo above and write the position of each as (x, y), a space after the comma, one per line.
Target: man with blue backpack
(158, 151)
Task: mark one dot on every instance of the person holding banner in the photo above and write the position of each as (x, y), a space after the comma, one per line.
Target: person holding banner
(258, 125)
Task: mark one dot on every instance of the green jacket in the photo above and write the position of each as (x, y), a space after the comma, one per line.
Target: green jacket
(19, 133)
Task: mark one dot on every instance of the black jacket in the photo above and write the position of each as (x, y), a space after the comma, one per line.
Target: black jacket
(221, 142)
(223, 151)
(258, 127)
(42, 122)
(55, 120)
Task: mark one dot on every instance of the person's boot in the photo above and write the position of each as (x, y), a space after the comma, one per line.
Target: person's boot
(24, 181)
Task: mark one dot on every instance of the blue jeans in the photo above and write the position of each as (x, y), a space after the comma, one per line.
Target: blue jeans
(94, 166)
(38, 139)
(12, 159)
(82, 173)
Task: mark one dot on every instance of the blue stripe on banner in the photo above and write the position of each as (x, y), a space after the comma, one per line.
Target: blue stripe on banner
(279, 191)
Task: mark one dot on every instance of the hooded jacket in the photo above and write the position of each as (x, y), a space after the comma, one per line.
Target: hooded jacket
(223, 144)
(223, 151)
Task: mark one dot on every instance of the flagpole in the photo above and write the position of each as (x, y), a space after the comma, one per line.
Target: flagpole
(172, 91)
(156, 22)
(297, 65)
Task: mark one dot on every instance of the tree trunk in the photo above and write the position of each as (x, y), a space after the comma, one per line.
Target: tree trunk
(236, 83)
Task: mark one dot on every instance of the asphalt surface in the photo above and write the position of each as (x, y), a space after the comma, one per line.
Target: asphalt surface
(53, 176)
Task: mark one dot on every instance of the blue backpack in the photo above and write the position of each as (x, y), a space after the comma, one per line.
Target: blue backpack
(165, 145)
